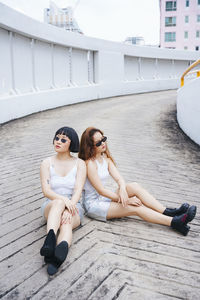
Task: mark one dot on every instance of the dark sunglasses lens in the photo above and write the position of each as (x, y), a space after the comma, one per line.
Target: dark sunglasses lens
(57, 138)
(63, 140)
(102, 141)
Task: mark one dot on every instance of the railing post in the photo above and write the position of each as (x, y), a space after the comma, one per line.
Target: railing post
(70, 67)
(156, 69)
(88, 66)
(13, 89)
(173, 69)
(139, 69)
(34, 88)
(52, 68)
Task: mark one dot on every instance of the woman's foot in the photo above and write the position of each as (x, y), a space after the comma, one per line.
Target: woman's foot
(49, 245)
(172, 212)
(60, 255)
(180, 222)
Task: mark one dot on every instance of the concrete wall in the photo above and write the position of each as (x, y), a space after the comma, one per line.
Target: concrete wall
(43, 67)
(188, 109)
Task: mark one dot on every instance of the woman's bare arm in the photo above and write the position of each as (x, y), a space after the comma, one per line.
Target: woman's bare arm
(123, 196)
(96, 182)
(80, 181)
(115, 174)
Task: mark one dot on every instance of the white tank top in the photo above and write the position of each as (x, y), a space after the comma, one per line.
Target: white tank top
(63, 185)
(102, 169)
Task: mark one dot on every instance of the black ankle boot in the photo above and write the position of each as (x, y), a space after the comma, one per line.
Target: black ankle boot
(172, 212)
(60, 255)
(49, 245)
(180, 222)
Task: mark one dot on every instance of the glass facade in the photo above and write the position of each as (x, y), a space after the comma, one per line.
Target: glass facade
(170, 21)
(170, 36)
(170, 5)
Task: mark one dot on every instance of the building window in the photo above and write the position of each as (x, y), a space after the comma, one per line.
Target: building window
(198, 18)
(197, 33)
(170, 36)
(187, 3)
(186, 47)
(186, 19)
(198, 2)
(197, 48)
(185, 34)
(170, 21)
(170, 5)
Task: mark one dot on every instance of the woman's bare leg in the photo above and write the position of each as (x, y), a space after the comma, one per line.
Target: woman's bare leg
(52, 213)
(134, 189)
(116, 210)
(65, 233)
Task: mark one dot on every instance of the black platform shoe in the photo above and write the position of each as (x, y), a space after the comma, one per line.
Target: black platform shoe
(49, 245)
(60, 255)
(172, 212)
(180, 222)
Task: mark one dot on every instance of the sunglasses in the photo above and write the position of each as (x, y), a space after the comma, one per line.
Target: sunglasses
(62, 140)
(101, 141)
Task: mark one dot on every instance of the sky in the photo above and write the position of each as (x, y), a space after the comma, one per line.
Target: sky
(106, 19)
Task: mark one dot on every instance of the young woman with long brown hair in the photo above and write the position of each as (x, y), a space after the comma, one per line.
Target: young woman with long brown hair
(130, 199)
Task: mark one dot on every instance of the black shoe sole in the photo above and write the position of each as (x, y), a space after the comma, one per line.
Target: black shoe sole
(60, 255)
(48, 259)
(191, 213)
(46, 251)
(185, 230)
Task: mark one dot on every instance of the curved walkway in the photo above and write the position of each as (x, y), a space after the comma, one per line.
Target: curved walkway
(122, 259)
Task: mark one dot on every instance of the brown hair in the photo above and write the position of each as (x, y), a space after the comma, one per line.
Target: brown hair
(87, 148)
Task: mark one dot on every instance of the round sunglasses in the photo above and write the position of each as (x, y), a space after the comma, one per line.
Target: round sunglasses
(62, 140)
(101, 141)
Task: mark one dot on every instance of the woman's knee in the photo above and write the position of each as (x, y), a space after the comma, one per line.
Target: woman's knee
(134, 185)
(58, 204)
(76, 221)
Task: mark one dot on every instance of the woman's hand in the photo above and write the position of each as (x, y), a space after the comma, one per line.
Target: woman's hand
(66, 218)
(134, 201)
(123, 197)
(71, 207)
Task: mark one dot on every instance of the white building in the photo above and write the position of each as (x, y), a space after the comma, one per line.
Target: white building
(61, 17)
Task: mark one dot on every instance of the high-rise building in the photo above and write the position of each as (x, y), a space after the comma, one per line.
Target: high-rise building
(135, 40)
(61, 17)
(180, 24)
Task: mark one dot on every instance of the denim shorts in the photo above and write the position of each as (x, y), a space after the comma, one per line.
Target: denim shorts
(78, 205)
(97, 208)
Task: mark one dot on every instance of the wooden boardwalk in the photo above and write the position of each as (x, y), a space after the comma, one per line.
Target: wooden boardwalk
(121, 259)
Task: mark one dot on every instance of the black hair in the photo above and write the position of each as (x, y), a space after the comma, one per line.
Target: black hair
(72, 135)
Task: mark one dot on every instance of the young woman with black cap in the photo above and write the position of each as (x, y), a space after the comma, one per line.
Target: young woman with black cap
(62, 179)
(130, 199)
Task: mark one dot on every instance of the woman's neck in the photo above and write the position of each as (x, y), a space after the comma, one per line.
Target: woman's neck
(63, 156)
(98, 156)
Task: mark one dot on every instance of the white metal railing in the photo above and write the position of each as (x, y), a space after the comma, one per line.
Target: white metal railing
(43, 66)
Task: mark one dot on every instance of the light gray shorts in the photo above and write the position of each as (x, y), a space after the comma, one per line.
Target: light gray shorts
(97, 208)
(78, 205)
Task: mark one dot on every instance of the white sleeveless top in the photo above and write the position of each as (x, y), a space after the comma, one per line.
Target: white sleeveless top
(89, 191)
(63, 185)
